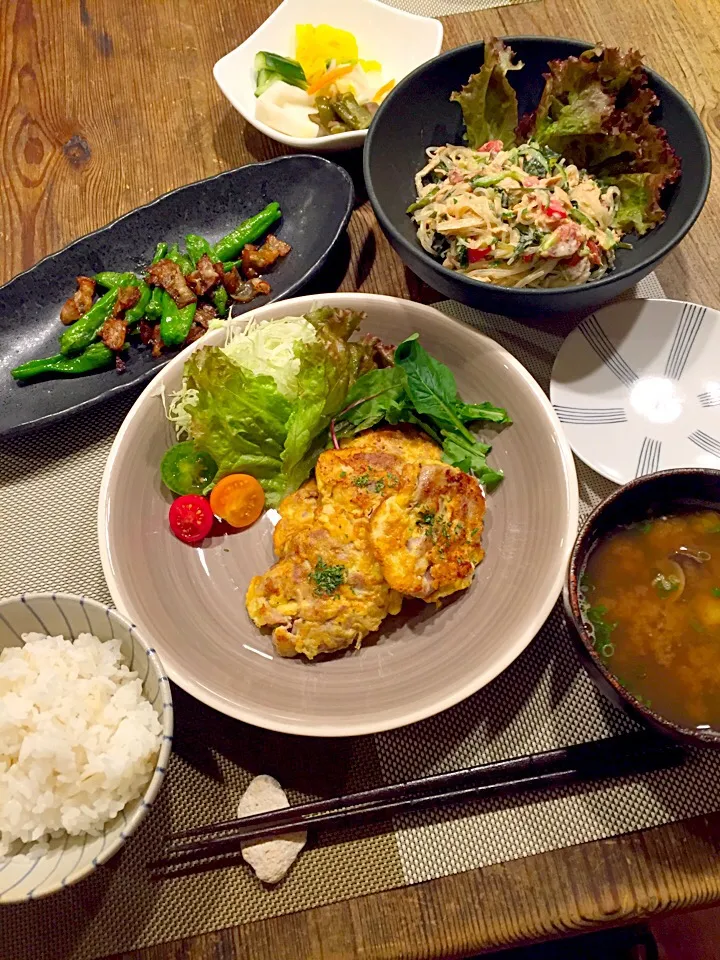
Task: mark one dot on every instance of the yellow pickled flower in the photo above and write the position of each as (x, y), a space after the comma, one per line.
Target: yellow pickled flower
(316, 46)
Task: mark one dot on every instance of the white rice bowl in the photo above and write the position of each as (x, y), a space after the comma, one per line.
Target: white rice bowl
(78, 740)
(85, 734)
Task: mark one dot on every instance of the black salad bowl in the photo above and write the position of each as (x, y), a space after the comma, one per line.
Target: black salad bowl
(418, 114)
(656, 495)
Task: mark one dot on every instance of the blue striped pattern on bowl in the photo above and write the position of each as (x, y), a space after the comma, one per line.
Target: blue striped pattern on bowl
(69, 859)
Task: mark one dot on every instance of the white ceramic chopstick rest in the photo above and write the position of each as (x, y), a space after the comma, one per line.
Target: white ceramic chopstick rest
(270, 859)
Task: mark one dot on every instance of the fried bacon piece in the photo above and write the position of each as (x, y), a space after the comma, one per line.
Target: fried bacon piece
(168, 275)
(196, 331)
(231, 281)
(80, 302)
(114, 330)
(150, 336)
(112, 333)
(205, 276)
(127, 297)
(257, 259)
(204, 314)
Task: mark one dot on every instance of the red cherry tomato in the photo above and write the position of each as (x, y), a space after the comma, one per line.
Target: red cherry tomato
(191, 518)
(480, 254)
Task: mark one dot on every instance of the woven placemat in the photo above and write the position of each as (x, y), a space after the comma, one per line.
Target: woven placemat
(49, 482)
(443, 8)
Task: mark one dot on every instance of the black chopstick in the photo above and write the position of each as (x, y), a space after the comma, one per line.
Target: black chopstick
(615, 756)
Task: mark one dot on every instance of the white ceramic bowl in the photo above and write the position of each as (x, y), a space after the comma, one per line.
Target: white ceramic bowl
(399, 41)
(191, 600)
(69, 859)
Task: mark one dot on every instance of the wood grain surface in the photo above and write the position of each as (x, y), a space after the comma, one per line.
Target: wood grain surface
(104, 105)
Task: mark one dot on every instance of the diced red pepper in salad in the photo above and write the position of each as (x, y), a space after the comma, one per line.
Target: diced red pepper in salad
(481, 253)
(595, 255)
(556, 210)
(573, 261)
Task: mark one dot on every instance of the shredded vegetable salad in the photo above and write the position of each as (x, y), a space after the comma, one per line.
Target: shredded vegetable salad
(521, 217)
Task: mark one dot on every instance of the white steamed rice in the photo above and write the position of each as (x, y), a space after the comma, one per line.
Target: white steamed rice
(78, 740)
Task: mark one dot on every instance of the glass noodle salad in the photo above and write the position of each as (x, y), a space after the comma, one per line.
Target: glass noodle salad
(519, 217)
(545, 201)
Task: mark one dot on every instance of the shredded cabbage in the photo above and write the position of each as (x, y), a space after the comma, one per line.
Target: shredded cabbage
(269, 347)
(266, 347)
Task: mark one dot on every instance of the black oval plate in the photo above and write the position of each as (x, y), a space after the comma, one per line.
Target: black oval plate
(316, 198)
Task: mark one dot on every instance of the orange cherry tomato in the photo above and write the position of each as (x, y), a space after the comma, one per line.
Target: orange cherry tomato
(237, 498)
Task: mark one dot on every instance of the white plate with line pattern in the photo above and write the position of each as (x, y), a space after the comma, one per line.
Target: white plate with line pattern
(636, 387)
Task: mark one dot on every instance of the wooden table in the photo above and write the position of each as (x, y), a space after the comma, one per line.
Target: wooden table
(103, 106)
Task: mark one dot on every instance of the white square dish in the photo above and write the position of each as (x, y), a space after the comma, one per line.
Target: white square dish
(400, 41)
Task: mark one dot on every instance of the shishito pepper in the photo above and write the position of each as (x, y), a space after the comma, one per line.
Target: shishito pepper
(138, 311)
(181, 259)
(82, 333)
(220, 300)
(153, 309)
(247, 232)
(176, 321)
(95, 357)
(196, 246)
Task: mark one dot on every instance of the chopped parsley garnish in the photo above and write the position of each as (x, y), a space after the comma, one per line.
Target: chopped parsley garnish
(327, 578)
(715, 591)
(435, 527)
(366, 482)
(645, 527)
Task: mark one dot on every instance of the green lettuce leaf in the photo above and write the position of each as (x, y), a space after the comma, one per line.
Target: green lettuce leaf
(239, 418)
(247, 425)
(595, 111)
(488, 102)
(328, 369)
(639, 209)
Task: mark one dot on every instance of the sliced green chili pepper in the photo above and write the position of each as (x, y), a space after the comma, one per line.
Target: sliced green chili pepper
(138, 311)
(82, 333)
(424, 201)
(220, 300)
(175, 322)
(160, 252)
(186, 470)
(247, 232)
(95, 357)
(351, 112)
(181, 259)
(196, 246)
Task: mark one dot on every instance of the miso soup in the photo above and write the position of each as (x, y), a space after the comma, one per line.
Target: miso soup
(650, 595)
